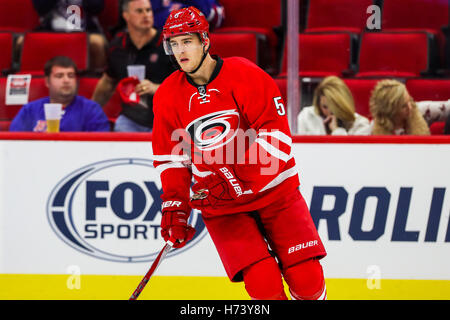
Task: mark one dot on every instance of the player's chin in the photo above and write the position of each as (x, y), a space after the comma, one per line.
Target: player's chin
(186, 68)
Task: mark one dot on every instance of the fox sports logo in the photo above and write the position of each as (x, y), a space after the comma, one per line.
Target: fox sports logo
(111, 210)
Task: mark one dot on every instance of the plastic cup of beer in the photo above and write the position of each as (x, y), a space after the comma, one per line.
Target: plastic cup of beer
(136, 70)
(52, 116)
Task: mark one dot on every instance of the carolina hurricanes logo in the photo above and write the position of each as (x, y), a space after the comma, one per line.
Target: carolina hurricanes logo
(214, 130)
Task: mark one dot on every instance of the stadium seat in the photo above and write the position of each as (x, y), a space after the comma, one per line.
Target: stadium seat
(437, 128)
(428, 15)
(262, 17)
(18, 16)
(109, 17)
(322, 55)
(422, 15)
(361, 91)
(37, 90)
(401, 55)
(429, 89)
(252, 15)
(282, 85)
(4, 125)
(38, 47)
(112, 108)
(337, 15)
(6, 43)
(235, 44)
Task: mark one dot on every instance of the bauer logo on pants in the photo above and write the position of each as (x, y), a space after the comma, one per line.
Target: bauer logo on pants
(112, 210)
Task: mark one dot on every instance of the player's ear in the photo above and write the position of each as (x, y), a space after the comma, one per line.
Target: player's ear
(207, 43)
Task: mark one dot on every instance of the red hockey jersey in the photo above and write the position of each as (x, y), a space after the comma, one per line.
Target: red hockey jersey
(238, 118)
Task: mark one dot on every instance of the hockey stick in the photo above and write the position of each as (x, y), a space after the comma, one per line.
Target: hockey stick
(155, 264)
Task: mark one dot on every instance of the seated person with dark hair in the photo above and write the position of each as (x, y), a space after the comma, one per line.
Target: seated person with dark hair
(79, 113)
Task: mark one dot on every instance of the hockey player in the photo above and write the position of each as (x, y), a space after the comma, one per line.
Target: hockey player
(223, 122)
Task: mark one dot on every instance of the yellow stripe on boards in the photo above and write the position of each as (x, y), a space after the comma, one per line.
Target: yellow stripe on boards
(93, 287)
(96, 287)
(387, 289)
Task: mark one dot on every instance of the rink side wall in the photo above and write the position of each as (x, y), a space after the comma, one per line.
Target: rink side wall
(79, 219)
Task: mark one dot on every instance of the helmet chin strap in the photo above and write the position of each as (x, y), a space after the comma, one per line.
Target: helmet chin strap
(201, 62)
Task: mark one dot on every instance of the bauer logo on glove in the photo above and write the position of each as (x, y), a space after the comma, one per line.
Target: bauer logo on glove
(232, 180)
(220, 186)
(174, 222)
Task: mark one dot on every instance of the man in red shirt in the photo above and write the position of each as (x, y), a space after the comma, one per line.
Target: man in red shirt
(223, 123)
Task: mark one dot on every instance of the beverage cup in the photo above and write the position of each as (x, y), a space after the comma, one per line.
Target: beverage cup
(137, 70)
(52, 116)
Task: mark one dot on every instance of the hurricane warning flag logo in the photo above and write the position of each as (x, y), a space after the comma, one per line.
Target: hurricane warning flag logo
(214, 130)
(111, 210)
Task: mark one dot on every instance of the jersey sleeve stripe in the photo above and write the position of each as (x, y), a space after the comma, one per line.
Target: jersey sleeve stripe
(272, 150)
(170, 157)
(170, 165)
(280, 178)
(279, 135)
(199, 173)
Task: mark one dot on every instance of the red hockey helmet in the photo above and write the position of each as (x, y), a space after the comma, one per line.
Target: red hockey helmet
(185, 21)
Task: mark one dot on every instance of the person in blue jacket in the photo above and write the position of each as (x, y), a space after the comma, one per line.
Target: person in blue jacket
(79, 113)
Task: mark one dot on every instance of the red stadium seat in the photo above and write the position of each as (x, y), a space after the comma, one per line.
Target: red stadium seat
(6, 43)
(422, 15)
(430, 15)
(37, 90)
(258, 16)
(4, 125)
(235, 44)
(282, 85)
(322, 55)
(18, 16)
(112, 108)
(429, 89)
(87, 86)
(337, 15)
(252, 15)
(437, 128)
(401, 55)
(38, 47)
(109, 17)
(361, 91)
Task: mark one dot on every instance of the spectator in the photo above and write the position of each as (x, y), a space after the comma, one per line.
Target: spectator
(333, 112)
(59, 16)
(139, 45)
(79, 113)
(212, 9)
(394, 112)
(433, 111)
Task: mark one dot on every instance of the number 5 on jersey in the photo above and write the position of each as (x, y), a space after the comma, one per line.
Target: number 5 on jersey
(280, 106)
